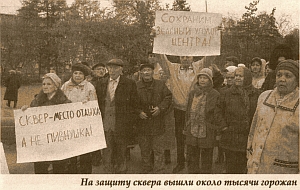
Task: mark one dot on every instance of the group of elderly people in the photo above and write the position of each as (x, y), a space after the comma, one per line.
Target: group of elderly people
(258, 132)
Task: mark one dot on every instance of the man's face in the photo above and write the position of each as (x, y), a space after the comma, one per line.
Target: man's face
(230, 78)
(99, 71)
(186, 60)
(239, 77)
(152, 59)
(114, 71)
(147, 74)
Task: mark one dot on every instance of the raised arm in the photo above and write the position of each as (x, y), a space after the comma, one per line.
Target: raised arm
(164, 63)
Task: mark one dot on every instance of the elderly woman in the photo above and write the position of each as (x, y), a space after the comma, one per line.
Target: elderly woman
(50, 94)
(200, 123)
(237, 105)
(78, 89)
(273, 143)
(257, 69)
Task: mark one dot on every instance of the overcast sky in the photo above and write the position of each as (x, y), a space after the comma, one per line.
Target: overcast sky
(225, 7)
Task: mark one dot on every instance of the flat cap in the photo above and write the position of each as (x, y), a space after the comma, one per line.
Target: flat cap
(117, 62)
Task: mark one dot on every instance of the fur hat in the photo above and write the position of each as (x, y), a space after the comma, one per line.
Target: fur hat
(80, 67)
(207, 72)
(289, 65)
(54, 78)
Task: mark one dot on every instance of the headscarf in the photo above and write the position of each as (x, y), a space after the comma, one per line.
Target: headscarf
(56, 80)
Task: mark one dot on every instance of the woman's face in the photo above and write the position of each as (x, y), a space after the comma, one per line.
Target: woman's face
(230, 78)
(203, 81)
(255, 67)
(286, 82)
(239, 77)
(78, 76)
(48, 86)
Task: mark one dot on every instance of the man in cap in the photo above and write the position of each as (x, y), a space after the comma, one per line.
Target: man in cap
(117, 99)
(98, 72)
(154, 101)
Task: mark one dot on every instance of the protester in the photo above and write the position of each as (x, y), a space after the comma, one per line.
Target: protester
(98, 72)
(12, 84)
(257, 69)
(273, 143)
(154, 101)
(229, 77)
(51, 94)
(237, 105)
(201, 123)
(231, 61)
(117, 99)
(280, 53)
(78, 89)
(181, 77)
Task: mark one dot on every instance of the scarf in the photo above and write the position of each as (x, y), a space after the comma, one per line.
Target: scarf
(197, 111)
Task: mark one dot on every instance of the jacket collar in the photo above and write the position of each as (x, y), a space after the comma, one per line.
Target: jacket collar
(290, 102)
(58, 98)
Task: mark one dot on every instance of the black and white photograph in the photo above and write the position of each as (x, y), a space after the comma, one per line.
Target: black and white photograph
(140, 94)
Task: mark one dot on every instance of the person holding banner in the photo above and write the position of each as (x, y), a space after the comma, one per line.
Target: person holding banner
(78, 89)
(51, 94)
(117, 99)
(154, 101)
(181, 77)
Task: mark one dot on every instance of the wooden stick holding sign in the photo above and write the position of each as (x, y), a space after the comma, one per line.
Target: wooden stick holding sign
(58, 132)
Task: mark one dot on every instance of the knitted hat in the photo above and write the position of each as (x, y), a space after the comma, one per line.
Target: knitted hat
(80, 67)
(147, 65)
(54, 78)
(207, 72)
(289, 65)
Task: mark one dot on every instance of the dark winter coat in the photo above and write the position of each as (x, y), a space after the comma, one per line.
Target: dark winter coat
(211, 119)
(95, 80)
(12, 84)
(125, 104)
(237, 117)
(42, 100)
(156, 94)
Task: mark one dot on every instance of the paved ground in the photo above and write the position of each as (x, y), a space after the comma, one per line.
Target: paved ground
(26, 94)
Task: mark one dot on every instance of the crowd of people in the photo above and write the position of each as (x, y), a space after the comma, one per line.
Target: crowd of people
(250, 112)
